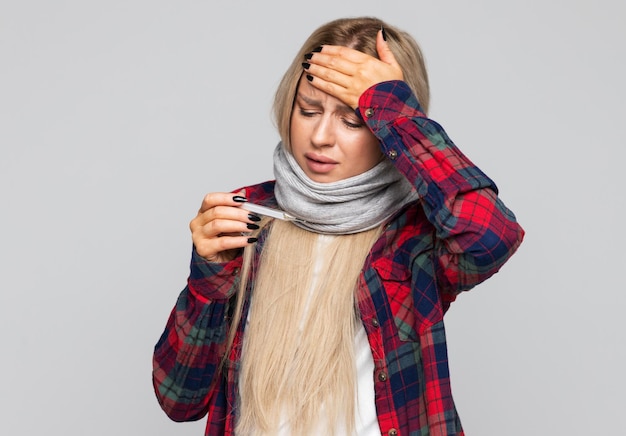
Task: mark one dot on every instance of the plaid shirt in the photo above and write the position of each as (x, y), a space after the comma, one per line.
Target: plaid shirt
(458, 234)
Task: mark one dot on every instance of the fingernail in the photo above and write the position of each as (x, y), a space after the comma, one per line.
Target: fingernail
(252, 240)
(308, 56)
(306, 65)
(252, 226)
(239, 199)
(253, 217)
(309, 77)
(382, 29)
(317, 49)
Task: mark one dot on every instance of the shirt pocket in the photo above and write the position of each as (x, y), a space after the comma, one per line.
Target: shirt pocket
(412, 295)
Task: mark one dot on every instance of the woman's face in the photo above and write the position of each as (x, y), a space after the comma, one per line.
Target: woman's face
(328, 140)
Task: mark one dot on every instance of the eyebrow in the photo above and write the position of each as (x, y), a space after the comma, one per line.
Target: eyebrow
(309, 100)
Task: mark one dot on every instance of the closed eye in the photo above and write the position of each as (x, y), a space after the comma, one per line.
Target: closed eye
(308, 113)
(352, 125)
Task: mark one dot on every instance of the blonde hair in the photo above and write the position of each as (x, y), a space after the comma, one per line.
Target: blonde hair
(359, 34)
(298, 353)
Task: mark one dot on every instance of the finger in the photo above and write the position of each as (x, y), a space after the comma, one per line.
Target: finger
(386, 55)
(217, 233)
(341, 79)
(382, 47)
(221, 198)
(346, 94)
(340, 51)
(223, 219)
(331, 63)
(223, 248)
(218, 226)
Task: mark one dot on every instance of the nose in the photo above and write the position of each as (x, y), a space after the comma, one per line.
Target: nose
(323, 134)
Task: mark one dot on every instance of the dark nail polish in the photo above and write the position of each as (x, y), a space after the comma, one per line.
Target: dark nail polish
(239, 199)
(252, 226)
(382, 29)
(308, 56)
(253, 217)
(317, 49)
(309, 77)
(306, 65)
(252, 240)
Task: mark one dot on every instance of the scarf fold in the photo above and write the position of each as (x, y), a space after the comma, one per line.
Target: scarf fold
(347, 206)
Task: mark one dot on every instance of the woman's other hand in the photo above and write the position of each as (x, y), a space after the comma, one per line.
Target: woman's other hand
(221, 227)
(346, 73)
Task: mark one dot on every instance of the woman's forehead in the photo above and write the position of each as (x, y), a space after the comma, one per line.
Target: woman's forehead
(310, 95)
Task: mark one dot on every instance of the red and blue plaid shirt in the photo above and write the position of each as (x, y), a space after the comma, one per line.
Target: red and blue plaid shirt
(457, 235)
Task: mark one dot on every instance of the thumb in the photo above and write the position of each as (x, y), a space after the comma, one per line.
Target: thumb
(382, 47)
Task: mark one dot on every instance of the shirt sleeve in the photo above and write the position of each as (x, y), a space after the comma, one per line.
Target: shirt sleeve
(475, 232)
(188, 354)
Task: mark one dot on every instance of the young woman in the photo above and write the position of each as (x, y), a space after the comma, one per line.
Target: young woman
(333, 323)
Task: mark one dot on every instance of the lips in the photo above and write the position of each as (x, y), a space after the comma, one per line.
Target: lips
(319, 164)
(318, 158)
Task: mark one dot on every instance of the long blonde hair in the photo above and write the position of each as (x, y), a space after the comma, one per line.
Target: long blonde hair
(298, 353)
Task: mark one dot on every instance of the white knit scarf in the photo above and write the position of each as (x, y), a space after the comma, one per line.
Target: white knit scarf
(347, 206)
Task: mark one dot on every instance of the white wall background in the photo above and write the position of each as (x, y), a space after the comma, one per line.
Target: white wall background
(117, 117)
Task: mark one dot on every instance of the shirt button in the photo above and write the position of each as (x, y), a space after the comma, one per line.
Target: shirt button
(375, 322)
(393, 432)
(392, 154)
(369, 112)
(382, 376)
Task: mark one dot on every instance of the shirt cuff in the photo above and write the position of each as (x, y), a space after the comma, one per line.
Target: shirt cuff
(210, 281)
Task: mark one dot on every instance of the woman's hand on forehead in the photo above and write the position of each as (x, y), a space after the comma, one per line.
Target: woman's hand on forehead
(346, 73)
